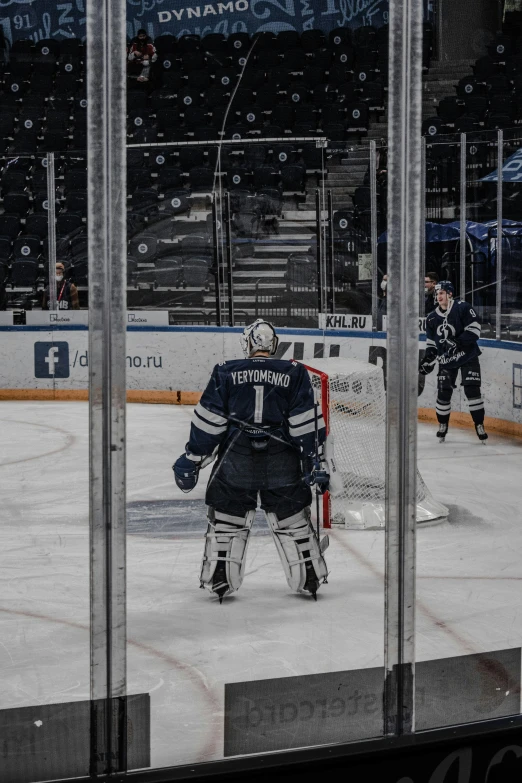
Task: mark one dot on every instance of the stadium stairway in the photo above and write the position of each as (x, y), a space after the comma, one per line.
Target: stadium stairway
(346, 172)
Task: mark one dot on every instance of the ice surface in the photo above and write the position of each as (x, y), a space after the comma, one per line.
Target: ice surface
(183, 647)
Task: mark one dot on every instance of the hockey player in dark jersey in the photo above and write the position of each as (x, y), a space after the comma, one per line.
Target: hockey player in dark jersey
(258, 419)
(452, 334)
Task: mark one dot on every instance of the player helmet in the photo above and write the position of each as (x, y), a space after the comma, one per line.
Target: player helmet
(259, 336)
(445, 285)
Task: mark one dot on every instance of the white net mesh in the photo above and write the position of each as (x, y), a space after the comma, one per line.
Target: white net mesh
(352, 397)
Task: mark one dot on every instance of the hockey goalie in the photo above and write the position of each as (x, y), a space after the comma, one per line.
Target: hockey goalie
(258, 420)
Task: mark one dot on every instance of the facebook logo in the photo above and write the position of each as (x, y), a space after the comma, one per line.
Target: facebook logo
(51, 360)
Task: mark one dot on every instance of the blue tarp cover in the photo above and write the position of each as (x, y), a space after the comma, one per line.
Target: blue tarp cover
(450, 232)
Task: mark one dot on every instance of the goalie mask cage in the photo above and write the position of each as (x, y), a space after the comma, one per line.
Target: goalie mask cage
(351, 396)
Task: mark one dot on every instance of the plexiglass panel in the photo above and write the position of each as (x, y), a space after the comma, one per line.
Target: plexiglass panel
(249, 236)
(468, 602)
(44, 530)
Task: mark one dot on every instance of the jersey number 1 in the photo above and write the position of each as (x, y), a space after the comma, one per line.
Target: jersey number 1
(258, 412)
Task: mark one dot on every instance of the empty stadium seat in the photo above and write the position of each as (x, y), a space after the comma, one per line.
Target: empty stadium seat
(449, 109)
(433, 126)
(143, 247)
(196, 271)
(6, 247)
(13, 180)
(293, 178)
(79, 271)
(238, 177)
(4, 275)
(27, 246)
(24, 273)
(37, 224)
(201, 178)
(176, 202)
(67, 222)
(170, 177)
(76, 201)
(312, 40)
(9, 225)
(169, 272)
(16, 204)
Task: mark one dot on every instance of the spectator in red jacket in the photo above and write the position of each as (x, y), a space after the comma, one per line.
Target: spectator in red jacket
(142, 53)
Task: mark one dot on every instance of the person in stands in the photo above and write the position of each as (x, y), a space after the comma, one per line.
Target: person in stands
(430, 295)
(142, 53)
(66, 292)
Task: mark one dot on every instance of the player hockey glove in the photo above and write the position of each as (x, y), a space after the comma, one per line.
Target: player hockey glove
(427, 364)
(315, 474)
(186, 473)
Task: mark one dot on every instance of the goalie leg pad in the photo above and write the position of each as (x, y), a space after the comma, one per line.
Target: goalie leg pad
(226, 542)
(299, 551)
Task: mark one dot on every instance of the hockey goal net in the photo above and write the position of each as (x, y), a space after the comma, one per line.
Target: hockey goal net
(351, 396)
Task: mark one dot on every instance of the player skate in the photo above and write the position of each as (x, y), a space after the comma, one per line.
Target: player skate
(481, 432)
(442, 432)
(258, 415)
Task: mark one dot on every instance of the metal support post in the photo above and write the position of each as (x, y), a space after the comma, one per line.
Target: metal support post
(324, 243)
(51, 225)
(404, 213)
(230, 271)
(422, 271)
(463, 233)
(331, 252)
(319, 245)
(107, 240)
(217, 263)
(373, 231)
(500, 189)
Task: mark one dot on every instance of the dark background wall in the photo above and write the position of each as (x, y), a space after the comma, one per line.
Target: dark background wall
(464, 33)
(39, 19)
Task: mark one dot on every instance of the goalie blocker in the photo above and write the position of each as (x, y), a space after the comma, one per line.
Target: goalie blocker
(257, 417)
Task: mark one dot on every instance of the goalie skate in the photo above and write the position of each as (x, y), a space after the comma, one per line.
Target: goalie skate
(300, 552)
(226, 542)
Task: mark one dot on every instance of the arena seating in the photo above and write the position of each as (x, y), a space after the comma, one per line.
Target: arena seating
(292, 85)
(488, 99)
(485, 101)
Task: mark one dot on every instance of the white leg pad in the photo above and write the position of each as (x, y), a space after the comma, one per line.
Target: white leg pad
(226, 541)
(297, 545)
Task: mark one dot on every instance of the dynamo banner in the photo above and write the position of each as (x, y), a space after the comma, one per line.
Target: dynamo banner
(38, 19)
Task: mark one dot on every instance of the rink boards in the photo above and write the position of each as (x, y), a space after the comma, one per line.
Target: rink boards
(173, 363)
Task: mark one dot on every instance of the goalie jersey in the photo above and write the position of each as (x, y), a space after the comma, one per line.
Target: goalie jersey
(256, 396)
(453, 335)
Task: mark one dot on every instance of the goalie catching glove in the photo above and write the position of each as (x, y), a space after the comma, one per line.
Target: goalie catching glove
(316, 474)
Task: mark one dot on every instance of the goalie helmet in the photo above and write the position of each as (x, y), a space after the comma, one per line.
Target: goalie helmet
(259, 336)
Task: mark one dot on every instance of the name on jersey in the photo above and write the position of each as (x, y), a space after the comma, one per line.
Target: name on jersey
(260, 376)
